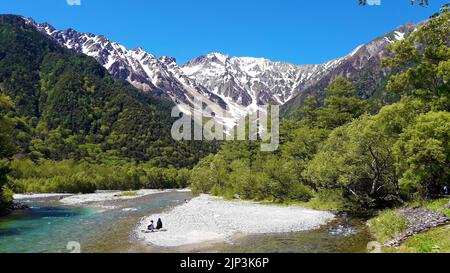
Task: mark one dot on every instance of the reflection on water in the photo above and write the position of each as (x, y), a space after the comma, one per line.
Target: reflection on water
(48, 227)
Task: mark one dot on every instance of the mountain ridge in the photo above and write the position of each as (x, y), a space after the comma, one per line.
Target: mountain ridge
(235, 84)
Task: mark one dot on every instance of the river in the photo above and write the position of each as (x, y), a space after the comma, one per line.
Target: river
(48, 227)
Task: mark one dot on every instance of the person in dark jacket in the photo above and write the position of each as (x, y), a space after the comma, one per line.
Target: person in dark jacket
(159, 224)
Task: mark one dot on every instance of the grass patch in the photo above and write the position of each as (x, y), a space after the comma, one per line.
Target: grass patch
(128, 194)
(388, 225)
(434, 241)
(317, 204)
(326, 200)
(439, 205)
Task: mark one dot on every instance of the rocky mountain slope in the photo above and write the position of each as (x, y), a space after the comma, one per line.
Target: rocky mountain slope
(145, 71)
(235, 84)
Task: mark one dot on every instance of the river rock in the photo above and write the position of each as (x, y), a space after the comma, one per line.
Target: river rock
(19, 206)
(421, 220)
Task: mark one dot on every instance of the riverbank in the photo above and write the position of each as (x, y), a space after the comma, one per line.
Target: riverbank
(211, 219)
(102, 196)
(30, 196)
(423, 227)
(97, 197)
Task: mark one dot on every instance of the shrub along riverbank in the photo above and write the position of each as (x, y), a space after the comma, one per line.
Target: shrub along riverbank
(71, 176)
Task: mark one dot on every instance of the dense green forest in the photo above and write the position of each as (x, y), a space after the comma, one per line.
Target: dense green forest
(63, 115)
(348, 153)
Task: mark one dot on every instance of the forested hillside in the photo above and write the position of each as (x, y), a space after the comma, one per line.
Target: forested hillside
(346, 153)
(63, 109)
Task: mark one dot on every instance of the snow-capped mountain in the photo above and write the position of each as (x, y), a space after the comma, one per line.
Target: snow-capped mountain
(232, 83)
(249, 81)
(161, 76)
(256, 81)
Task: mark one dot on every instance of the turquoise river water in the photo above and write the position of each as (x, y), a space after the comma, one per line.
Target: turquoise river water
(51, 227)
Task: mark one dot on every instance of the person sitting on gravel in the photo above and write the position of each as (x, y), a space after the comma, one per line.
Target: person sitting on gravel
(159, 224)
(151, 227)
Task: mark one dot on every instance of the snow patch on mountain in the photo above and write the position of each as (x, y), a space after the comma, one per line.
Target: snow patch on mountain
(238, 85)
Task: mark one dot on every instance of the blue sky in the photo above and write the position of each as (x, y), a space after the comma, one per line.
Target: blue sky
(296, 31)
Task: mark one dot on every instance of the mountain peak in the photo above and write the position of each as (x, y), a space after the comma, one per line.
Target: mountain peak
(138, 49)
(48, 27)
(213, 57)
(168, 60)
(218, 56)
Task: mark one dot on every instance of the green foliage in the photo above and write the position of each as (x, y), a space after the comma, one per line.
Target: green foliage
(265, 178)
(208, 173)
(425, 55)
(128, 193)
(6, 150)
(300, 147)
(358, 157)
(423, 154)
(327, 199)
(82, 177)
(282, 183)
(341, 105)
(6, 125)
(434, 241)
(388, 224)
(441, 205)
(308, 112)
(6, 199)
(358, 160)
